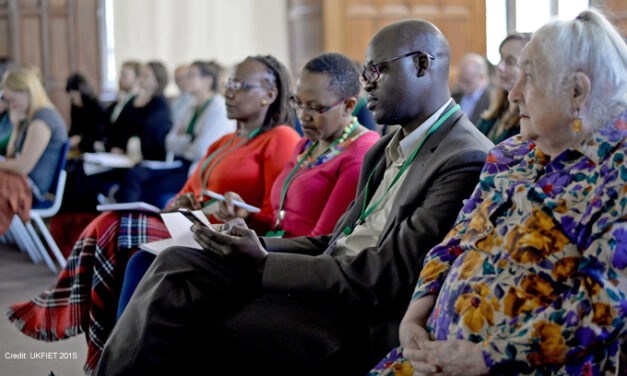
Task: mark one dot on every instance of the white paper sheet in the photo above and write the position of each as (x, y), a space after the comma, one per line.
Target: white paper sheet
(179, 228)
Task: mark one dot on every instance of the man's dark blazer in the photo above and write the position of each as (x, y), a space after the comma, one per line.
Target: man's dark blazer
(381, 279)
(482, 104)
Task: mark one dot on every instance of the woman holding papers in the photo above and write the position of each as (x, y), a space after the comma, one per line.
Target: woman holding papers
(34, 149)
(248, 161)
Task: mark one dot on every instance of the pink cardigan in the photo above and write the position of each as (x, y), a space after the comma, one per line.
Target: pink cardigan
(318, 196)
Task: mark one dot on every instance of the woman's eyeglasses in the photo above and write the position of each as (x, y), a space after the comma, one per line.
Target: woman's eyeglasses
(237, 86)
(300, 106)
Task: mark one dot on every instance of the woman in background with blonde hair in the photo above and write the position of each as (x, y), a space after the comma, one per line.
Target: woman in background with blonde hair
(34, 149)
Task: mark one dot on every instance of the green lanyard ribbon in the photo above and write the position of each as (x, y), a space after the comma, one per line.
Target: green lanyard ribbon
(214, 154)
(291, 177)
(192, 122)
(365, 213)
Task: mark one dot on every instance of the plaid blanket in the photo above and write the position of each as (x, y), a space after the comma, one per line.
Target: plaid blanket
(85, 298)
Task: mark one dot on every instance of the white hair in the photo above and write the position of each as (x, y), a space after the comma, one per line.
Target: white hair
(589, 44)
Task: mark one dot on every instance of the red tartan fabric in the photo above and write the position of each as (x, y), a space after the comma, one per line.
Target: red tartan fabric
(66, 228)
(86, 295)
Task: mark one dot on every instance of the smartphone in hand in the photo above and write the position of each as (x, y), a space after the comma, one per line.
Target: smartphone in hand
(192, 217)
(232, 223)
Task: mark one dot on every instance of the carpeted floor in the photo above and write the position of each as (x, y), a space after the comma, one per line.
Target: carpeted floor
(21, 280)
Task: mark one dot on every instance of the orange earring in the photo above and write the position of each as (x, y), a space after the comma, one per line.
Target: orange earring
(577, 123)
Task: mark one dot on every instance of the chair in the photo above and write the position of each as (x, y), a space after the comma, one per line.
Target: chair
(27, 237)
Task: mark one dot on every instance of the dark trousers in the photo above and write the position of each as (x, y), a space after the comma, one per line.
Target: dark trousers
(81, 191)
(144, 184)
(197, 313)
(136, 267)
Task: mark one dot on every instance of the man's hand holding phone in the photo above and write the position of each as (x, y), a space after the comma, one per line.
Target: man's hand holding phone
(232, 239)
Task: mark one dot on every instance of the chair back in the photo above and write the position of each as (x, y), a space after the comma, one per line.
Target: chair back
(48, 208)
(60, 167)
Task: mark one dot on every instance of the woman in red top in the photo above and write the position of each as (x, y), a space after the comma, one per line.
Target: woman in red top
(320, 181)
(86, 295)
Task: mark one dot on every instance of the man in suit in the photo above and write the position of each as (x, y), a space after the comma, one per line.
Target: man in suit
(473, 93)
(332, 303)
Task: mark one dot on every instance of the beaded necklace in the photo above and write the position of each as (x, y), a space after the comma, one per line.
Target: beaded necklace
(348, 129)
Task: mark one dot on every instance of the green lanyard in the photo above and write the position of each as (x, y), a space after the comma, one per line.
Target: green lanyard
(192, 122)
(365, 213)
(291, 177)
(215, 153)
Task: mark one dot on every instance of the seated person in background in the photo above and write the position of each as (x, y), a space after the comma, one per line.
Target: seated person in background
(202, 124)
(331, 303)
(5, 124)
(145, 118)
(502, 120)
(181, 104)
(320, 180)
(37, 140)
(128, 85)
(473, 93)
(532, 280)
(248, 161)
(87, 114)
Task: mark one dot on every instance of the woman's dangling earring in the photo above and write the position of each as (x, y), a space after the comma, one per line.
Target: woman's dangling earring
(263, 102)
(577, 122)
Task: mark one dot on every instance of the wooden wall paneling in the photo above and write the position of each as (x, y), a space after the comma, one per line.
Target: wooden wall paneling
(58, 4)
(361, 24)
(60, 65)
(616, 10)
(15, 50)
(304, 22)
(5, 30)
(86, 39)
(30, 40)
(60, 60)
(350, 24)
(44, 14)
(334, 18)
(30, 4)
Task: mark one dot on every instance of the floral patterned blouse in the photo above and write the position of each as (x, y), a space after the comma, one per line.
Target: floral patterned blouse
(535, 268)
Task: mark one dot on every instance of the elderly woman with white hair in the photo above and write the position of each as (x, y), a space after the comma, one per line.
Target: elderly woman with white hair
(532, 279)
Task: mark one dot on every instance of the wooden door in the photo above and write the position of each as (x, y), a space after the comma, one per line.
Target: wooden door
(616, 10)
(349, 24)
(57, 36)
(304, 25)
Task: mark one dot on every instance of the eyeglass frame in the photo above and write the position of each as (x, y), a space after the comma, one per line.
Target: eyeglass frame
(315, 111)
(363, 79)
(226, 85)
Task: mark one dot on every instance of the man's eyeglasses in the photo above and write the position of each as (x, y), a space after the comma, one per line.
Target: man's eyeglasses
(237, 86)
(300, 106)
(371, 72)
